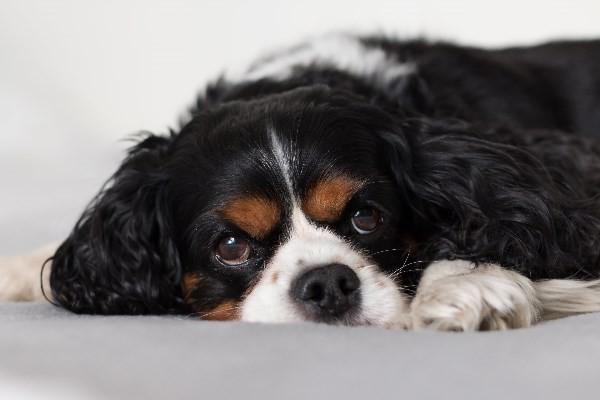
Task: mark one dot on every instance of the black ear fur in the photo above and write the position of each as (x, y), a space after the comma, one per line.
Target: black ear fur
(120, 257)
(494, 196)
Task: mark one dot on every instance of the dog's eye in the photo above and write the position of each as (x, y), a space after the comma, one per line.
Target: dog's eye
(233, 250)
(366, 220)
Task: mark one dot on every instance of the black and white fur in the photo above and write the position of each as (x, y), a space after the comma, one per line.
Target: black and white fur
(484, 164)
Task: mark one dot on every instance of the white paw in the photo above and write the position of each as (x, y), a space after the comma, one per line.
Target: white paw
(483, 298)
(20, 275)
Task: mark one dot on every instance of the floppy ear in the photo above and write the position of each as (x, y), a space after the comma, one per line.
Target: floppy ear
(120, 258)
(484, 196)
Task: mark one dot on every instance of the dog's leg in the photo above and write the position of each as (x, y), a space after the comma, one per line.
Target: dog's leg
(20, 275)
(458, 296)
(564, 297)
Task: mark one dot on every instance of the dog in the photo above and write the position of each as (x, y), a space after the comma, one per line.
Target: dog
(360, 181)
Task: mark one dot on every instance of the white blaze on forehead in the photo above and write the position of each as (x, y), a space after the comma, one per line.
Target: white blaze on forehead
(339, 51)
(283, 161)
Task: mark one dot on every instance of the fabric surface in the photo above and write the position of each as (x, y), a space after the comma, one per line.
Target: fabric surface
(48, 352)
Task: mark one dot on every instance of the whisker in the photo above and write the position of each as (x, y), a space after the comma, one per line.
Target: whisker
(386, 251)
(416, 262)
(406, 258)
(396, 273)
(368, 266)
(403, 269)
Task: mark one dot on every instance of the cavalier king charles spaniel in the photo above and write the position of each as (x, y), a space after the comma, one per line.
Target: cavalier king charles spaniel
(360, 181)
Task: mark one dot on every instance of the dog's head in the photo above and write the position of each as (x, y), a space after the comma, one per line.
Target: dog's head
(285, 208)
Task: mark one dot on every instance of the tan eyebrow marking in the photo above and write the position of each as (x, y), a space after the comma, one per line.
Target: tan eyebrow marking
(255, 215)
(328, 198)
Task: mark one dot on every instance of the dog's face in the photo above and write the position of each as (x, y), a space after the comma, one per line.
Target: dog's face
(278, 209)
(285, 211)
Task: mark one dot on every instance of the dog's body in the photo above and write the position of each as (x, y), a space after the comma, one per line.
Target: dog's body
(322, 182)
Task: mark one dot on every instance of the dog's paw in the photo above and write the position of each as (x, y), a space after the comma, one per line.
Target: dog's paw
(20, 275)
(483, 298)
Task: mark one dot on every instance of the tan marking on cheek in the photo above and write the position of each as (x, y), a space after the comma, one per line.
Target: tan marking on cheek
(257, 216)
(226, 311)
(189, 283)
(327, 200)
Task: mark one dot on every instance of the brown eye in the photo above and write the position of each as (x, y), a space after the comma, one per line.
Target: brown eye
(232, 250)
(366, 220)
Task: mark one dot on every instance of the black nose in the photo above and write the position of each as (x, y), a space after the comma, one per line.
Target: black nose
(327, 293)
